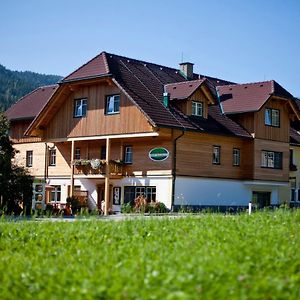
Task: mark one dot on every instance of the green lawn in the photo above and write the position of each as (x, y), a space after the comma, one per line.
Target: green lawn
(210, 256)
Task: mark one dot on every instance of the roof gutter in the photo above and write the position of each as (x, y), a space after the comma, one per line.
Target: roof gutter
(85, 78)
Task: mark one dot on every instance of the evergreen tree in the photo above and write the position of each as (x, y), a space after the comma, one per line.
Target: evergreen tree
(15, 182)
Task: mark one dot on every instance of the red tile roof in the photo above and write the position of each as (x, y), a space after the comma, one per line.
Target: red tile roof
(31, 104)
(239, 98)
(183, 90)
(93, 68)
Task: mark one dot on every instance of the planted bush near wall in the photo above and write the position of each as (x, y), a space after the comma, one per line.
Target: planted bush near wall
(209, 256)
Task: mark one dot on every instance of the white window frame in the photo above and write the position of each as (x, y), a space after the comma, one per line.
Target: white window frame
(216, 155)
(80, 108)
(128, 154)
(77, 154)
(149, 192)
(57, 194)
(52, 157)
(112, 104)
(272, 117)
(268, 159)
(236, 159)
(29, 158)
(197, 108)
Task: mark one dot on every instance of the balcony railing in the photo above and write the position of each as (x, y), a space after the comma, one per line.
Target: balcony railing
(97, 167)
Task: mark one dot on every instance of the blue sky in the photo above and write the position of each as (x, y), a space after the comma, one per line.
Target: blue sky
(241, 41)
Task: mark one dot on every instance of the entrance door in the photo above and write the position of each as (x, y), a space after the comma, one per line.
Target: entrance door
(100, 193)
(261, 199)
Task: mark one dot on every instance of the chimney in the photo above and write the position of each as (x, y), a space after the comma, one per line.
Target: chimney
(186, 69)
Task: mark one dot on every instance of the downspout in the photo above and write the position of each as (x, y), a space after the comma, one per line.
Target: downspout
(46, 162)
(174, 167)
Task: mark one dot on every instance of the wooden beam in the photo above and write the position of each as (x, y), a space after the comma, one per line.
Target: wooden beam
(113, 136)
(106, 189)
(72, 170)
(207, 93)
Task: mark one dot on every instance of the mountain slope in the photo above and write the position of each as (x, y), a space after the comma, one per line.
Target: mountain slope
(15, 84)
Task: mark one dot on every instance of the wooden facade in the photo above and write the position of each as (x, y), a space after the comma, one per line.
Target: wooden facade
(185, 105)
(281, 133)
(254, 122)
(195, 156)
(65, 125)
(17, 130)
(261, 173)
(194, 150)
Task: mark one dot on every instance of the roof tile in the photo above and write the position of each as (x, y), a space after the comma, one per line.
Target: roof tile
(239, 98)
(31, 104)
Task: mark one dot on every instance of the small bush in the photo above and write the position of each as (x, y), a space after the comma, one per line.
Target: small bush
(126, 208)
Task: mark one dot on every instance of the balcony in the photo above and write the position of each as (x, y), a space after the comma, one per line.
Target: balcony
(95, 167)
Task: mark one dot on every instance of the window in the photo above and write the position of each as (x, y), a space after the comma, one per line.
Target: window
(128, 155)
(197, 108)
(216, 155)
(112, 104)
(103, 152)
(80, 108)
(55, 193)
(29, 158)
(132, 192)
(271, 159)
(272, 117)
(52, 157)
(236, 157)
(77, 153)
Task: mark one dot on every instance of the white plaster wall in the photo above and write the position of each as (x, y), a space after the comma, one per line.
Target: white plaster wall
(64, 186)
(219, 192)
(89, 185)
(85, 185)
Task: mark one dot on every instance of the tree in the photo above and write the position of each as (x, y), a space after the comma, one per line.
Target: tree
(15, 181)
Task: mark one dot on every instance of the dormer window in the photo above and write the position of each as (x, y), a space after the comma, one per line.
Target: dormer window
(272, 117)
(197, 109)
(80, 108)
(112, 104)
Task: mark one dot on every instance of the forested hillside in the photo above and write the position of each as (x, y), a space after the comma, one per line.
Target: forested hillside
(15, 84)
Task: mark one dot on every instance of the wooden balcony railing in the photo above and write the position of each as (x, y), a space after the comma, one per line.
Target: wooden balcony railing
(97, 167)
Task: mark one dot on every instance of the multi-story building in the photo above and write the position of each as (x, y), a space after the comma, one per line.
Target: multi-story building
(117, 128)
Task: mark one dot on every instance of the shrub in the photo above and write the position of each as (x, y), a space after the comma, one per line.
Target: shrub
(126, 208)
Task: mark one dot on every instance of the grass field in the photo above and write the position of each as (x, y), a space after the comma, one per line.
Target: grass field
(209, 256)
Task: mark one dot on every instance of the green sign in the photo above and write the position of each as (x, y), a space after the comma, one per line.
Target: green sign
(158, 154)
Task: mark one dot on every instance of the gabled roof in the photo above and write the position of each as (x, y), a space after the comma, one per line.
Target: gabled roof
(31, 104)
(183, 90)
(144, 83)
(249, 97)
(97, 66)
